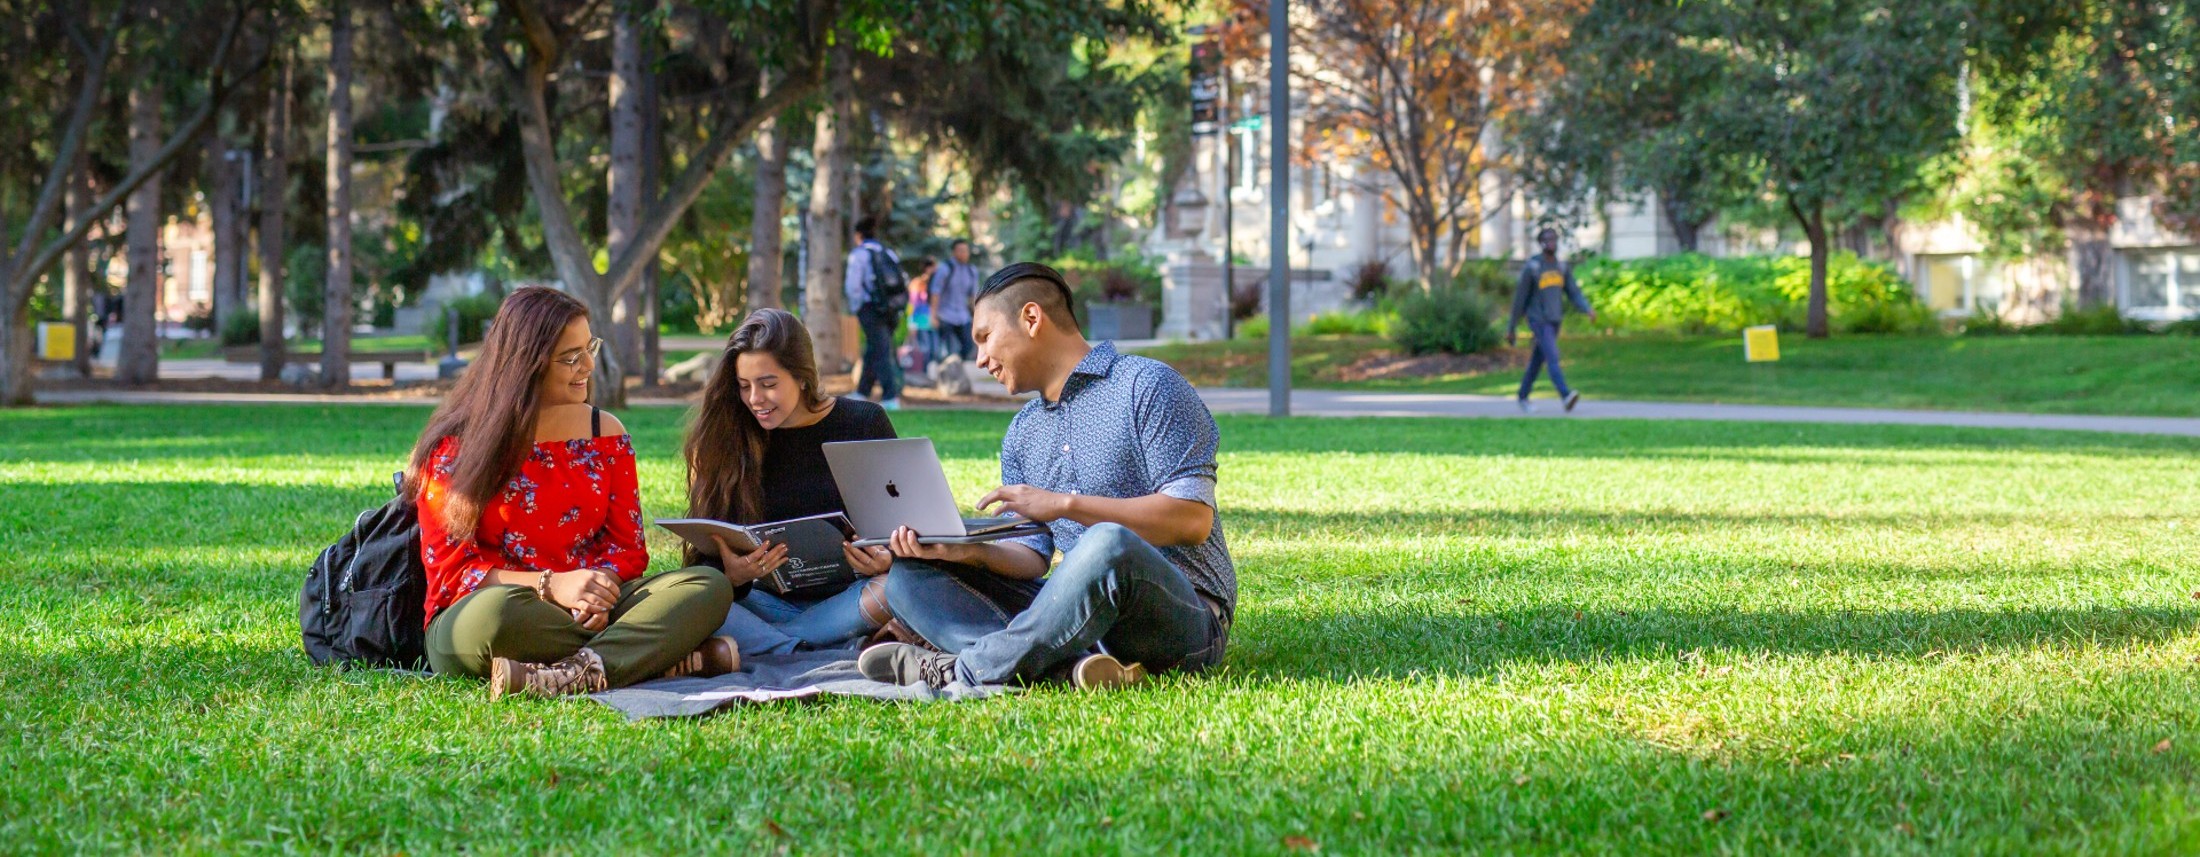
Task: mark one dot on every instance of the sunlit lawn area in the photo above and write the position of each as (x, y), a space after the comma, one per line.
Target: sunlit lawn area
(2130, 375)
(1473, 635)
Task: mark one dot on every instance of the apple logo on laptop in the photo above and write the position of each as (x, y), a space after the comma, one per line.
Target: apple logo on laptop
(892, 491)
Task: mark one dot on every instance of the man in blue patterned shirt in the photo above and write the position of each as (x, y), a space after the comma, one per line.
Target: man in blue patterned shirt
(1117, 458)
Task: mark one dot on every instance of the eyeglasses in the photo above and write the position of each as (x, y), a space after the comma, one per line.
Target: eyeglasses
(593, 348)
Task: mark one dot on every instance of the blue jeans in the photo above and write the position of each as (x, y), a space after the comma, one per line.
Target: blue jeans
(955, 339)
(879, 368)
(1115, 592)
(765, 624)
(1545, 352)
(952, 606)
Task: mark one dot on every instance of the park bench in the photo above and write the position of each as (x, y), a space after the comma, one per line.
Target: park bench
(388, 359)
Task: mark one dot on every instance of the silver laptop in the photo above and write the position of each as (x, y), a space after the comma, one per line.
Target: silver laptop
(889, 484)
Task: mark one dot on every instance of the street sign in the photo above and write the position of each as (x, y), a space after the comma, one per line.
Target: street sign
(1250, 123)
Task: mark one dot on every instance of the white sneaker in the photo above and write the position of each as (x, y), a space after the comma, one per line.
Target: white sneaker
(1526, 407)
(893, 404)
(1572, 399)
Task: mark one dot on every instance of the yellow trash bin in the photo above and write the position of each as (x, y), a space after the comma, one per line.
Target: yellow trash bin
(56, 342)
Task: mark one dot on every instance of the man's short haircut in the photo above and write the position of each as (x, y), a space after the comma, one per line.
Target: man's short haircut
(1030, 283)
(959, 242)
(1547, 230)
(867, 227)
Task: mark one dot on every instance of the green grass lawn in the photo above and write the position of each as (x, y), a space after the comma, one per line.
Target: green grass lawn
(2130, 375)
(1471, 635)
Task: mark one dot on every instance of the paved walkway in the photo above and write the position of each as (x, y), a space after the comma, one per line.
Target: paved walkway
(1338, 403)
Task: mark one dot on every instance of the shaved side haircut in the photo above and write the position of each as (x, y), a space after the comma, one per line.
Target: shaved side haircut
(1030, 283)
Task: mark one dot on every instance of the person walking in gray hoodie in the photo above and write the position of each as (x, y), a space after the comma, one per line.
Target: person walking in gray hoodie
(1538, 298)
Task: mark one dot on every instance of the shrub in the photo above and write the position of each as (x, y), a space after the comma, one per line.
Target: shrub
(243, 328)
(2098, 321)
(1447, 320)
(474, 313)
(200, 321)
(1374, 322)
(1490, 279)
(2188, 327)
(1694, 293)
(1255, 328)
(1983, 323)
(1371, 280)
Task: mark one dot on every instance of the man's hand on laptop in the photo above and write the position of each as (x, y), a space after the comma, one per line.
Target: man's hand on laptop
(1035, 504)
(903, 543)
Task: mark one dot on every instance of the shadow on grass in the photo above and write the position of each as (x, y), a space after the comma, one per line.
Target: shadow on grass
(1417, 641)
(1557, 522)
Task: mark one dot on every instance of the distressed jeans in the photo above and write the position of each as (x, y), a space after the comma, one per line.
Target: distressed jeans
(1114, 592)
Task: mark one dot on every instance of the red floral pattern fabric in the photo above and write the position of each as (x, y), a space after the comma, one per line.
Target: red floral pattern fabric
(574, 504)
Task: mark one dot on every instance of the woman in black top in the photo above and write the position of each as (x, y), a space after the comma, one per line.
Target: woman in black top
(755, 454)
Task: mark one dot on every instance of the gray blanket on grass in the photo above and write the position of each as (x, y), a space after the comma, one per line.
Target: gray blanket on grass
(771, 678)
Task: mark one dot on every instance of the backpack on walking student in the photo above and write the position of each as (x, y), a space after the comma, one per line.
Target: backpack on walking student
(888, 289)
(365, 599)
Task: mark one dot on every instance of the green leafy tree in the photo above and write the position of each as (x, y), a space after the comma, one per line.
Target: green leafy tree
(1825, 108)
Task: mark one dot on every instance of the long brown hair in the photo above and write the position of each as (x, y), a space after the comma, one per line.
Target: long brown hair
(725, 443)
(493, 409)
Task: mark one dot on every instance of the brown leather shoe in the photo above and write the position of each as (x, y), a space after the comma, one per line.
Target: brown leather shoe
(715, 657)
(580, 673)
(1104, 672)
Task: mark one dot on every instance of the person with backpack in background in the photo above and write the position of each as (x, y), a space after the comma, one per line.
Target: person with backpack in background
(1538, 297)
(953, 287)
(878, 294)
(531, 526)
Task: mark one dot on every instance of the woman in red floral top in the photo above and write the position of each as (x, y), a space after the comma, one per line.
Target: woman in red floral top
(531, 525)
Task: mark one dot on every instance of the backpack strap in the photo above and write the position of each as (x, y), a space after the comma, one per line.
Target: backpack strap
(595, 421)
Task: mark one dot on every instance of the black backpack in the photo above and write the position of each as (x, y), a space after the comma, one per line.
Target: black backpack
(365, 599)
(888, 290)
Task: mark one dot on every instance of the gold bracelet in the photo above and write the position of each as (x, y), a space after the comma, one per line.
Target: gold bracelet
(542, 586)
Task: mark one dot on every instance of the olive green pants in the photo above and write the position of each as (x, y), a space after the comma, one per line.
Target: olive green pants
(657, 621)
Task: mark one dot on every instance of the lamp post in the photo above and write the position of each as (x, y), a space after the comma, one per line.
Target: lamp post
(1279, 220)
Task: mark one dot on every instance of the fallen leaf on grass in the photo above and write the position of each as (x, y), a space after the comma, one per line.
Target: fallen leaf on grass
(1577, 615)
(1905, 829)
(1301, 843)
(1717, 814)
(1520, 780)
(773, 828)
(2162, 747)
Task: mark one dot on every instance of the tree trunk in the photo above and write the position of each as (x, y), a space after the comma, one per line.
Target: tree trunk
(223, 178)
(823, 303)
(653, 160)
(2094, 260)
(1687, 228)
(76, 274)
(767, 235)
(336, 312)
(623, 213)
(274, 181)
(15, 350)
(140, 359)
(1814, 226)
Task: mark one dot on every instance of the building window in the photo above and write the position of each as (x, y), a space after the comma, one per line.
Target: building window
(2162, 284)
(1960, 283)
